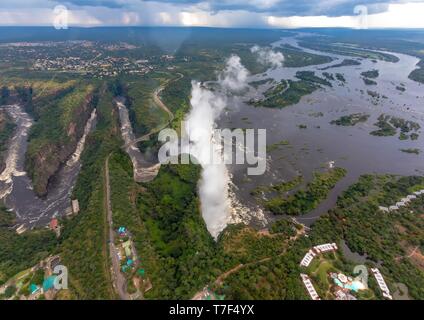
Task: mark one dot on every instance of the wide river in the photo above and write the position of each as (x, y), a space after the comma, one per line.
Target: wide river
(352, 148)
(310, 149)
(15, 186)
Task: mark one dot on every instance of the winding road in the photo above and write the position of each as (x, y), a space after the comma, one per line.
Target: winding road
(161, 105)
(119, 281)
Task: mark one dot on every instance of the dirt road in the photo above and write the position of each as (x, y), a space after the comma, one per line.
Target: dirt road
(119, 281)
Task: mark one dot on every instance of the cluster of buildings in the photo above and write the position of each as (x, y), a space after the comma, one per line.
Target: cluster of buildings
(306, 261)
(323, 248)
(127, 253)
(98, 67)
(345, 284)
(403, 202)
(381, 283)
(27, 289)
(130, 263)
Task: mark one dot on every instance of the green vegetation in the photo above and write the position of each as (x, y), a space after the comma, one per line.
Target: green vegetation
(281, 188)
(387, 239)
(286, 93)
(344, 63)
(289, 92)
(277, 145)
(411, 150)
(258, 83)
(284, 226)
(6, 130)
(61, 112)
(389, 124)
(328, 76)
(369, 82)
(368, 75)
(308, 199)
(20, 252)
(340, 77)
(84, 249)
(401, 88)
(309, 76)
(144, 114)
(168, 231)
(346, 50)
(351, 120)
(418, 74)
(372, 74)
(295, 58)
(4, 95)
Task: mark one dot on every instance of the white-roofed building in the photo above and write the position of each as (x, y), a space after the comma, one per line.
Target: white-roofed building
(412, 196)
(381, 283)
(393, 208)
(307, 259)
(309, 287)
(327, 247)
(384, 209)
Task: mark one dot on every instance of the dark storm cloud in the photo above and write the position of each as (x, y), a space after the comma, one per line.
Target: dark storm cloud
(276, 7)
(113, 4)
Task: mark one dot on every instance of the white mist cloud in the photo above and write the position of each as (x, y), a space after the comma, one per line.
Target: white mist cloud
(267, 56)
(207, 107)
(234, 76)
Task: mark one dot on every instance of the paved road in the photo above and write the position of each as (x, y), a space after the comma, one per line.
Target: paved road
(119, 281)
(161, 105)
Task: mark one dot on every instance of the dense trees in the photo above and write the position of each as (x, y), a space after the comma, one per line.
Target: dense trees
(307, 199)
(83, 242)
(19, 252)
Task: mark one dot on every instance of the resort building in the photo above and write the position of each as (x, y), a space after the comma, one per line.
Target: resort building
(384, 209)
(75, 206)
(403, 202)
(342, 295)
(322, 248)
(381, 283)
(21, 229)
(325, 248)
(309, 287)
(307, 259)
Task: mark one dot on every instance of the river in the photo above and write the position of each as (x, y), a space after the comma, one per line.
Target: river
(16, 187)
(311, 149)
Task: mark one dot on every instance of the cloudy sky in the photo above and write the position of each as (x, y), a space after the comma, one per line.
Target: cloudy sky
(216, 13)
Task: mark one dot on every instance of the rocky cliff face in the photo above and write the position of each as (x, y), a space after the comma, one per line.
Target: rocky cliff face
(49, 158)
(6, 131)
